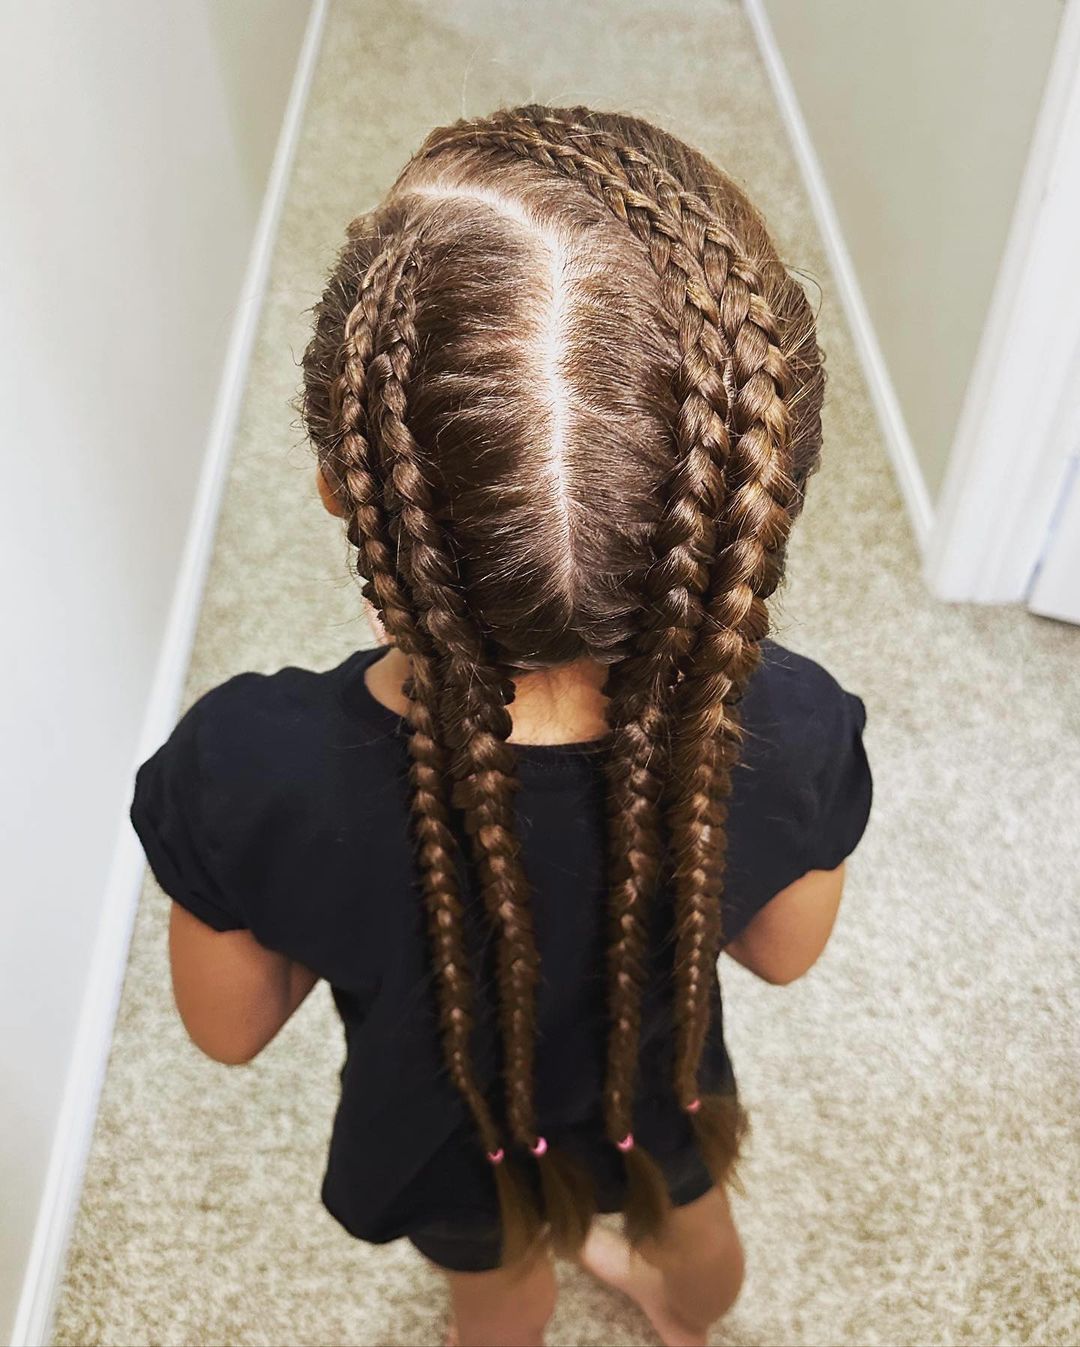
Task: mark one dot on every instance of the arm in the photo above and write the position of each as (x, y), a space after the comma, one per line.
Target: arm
(788, 935)
(232, 993)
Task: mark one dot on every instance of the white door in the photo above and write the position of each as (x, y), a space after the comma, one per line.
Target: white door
(1007, 526)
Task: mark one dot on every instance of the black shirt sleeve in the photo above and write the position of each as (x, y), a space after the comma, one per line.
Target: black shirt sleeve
(168, 814)
(843, 787)
(802, 792)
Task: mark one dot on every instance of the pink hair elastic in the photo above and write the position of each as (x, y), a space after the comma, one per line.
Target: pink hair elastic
(627, 1143)
(693, 1106)
(540, 1148)
(496, 1157)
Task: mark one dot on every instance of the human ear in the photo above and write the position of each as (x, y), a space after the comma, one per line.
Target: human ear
(329, 499)
(381, 634)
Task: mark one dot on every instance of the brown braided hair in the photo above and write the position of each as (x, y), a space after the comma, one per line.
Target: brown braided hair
(569, 398)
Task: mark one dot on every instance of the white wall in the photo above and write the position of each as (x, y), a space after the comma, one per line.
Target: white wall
(256, 43)
(133, 157)
(921, 114)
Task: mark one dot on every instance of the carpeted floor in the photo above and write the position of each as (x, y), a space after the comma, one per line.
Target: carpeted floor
(915, 1097)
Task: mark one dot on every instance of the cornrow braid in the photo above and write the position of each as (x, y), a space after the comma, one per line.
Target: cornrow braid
(757, 517)
(640, 686)
(472, 707)
(366, 393)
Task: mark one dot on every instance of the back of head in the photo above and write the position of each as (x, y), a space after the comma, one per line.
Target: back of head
(569, 398)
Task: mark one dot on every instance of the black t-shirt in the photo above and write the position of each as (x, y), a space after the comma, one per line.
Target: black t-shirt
(280, 804)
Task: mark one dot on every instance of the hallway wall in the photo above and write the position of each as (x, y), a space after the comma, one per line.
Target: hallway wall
(132, 165)
(921, 115)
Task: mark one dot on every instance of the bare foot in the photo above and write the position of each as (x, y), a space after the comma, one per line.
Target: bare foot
(610, 1259)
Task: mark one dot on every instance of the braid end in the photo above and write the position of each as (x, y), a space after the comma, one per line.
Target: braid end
(519, 1216)
(648, 1202)
(721, 1127)
(569, 1200)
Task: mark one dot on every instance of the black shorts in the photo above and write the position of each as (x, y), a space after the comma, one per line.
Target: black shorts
(472, 1241)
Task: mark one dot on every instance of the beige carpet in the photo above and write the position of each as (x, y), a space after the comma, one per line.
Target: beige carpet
(915, 1097)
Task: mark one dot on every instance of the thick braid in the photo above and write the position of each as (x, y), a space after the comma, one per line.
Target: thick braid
(363, 421)
(639, 687)
(757, 517)
(473, 701)
(756, 520)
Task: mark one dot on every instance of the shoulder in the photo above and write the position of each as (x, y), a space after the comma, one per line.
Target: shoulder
(802, 735)
(278, 754)
(181, 802)
(799, 707)
(244, 772)
(242, 745)
(254, 724)
(268, 697)
(797, 683)
(802, 787)
(805, 730)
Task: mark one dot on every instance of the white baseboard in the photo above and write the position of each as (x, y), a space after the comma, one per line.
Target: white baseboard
(108, 960)
(897, 440)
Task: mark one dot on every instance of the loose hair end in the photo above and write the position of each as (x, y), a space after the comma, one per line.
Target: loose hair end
(722, 1128)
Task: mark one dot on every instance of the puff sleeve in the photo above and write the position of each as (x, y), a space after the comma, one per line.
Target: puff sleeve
(843, 788)
(801, 794)
(168, 813)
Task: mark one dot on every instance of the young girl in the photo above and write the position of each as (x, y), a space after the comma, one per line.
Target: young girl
(566, 398)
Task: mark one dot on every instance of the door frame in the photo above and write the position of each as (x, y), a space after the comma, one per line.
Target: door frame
(1019, 428)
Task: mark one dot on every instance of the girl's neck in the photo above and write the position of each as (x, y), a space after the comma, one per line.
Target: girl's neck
(558, 706)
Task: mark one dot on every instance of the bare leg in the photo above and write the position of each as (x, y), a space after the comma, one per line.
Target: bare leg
(508, 1307)
(684, 1281)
